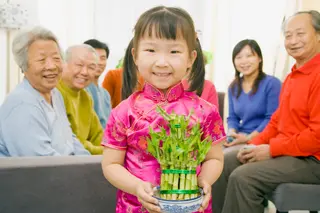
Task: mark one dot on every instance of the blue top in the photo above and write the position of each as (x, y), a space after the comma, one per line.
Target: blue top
(30, 126)
(253, 112)
(101, 102)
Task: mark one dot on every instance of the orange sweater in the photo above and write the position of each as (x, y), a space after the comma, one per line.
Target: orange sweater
(294, 129)
(113, 83)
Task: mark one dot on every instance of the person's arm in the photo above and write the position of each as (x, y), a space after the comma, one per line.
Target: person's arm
(232, 120)
(214, 159)
(78, 147)
(115, 142)
(306, 142)
(269, 132)
(272, 101)
(108, 84)
(212, 127)
(116, 174)
(26, 132)
(93, 142)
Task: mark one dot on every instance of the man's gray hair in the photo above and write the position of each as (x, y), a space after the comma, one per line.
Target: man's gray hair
(22, 42)
(70, 51)
(315, 19)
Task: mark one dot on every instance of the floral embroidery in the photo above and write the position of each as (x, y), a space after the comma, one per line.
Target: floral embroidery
(142, 143)
(118, 131)
(217, 129)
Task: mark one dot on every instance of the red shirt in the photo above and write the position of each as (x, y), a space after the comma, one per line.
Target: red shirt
(294, 129)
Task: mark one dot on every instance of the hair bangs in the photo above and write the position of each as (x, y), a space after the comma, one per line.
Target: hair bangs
(164, 24)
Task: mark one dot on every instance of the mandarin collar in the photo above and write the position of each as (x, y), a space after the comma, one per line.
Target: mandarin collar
(156, 95)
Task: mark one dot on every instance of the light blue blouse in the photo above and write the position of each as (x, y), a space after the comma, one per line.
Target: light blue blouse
(30, 126)
(101, 102)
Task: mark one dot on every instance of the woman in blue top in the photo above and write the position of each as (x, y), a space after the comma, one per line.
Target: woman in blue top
(253, 95)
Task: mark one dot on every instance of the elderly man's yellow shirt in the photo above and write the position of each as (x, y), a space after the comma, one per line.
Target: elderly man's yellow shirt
(84, 121)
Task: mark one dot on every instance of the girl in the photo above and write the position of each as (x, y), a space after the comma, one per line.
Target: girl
(207, 91)
(163, 51)
(253, 97)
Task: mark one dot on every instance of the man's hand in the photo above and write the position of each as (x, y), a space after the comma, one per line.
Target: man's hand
(258, 153)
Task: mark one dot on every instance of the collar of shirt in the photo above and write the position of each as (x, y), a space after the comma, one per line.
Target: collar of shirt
(307, 67)
(66, 88)
(156, 95)
(26, 84)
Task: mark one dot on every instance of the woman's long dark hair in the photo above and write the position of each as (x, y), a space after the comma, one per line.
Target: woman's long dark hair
(236, 85)
(165, 23)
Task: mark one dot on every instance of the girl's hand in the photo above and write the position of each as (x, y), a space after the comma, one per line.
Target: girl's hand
(239, 138)
(144, 194)
(207, 194)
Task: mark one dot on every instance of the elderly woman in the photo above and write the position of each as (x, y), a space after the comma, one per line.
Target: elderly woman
(33, 119)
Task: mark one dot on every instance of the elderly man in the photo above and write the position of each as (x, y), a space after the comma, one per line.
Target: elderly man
(78, 74)
(288, 150)
(100, 96)
(33, 120)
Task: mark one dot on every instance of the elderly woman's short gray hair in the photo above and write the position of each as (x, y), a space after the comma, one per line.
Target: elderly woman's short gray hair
(70, 50)
(22, 42)
(315, 19)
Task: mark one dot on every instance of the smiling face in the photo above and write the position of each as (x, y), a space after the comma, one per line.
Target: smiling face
(301, 39)
(44, 65)
(163, 62)
(80, 69)
(247, 61)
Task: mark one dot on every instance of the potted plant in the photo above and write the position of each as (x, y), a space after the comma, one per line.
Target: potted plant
(179, 149)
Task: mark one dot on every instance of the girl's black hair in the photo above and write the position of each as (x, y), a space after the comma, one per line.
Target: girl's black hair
(197, 74)
(236, 84)
(129, 74)
(165, 23)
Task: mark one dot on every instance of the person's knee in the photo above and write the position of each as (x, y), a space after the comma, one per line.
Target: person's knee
(242, 175)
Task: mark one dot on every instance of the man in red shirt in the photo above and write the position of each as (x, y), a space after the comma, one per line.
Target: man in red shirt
(288, 150)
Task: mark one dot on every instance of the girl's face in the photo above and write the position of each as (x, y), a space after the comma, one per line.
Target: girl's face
(161, 62)
(247, 61)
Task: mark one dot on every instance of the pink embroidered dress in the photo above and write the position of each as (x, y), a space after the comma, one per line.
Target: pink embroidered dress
(128, 128)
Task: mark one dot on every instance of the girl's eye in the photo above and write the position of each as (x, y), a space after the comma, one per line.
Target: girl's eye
(150, 50)
(175, 51)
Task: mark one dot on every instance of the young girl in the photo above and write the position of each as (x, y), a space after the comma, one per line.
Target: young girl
(163, 51)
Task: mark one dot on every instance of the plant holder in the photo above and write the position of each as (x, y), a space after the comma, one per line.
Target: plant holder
(178, 184)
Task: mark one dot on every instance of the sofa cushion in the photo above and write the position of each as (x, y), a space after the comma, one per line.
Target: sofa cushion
(292, 196)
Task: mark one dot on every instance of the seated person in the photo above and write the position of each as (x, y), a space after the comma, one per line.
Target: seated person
(33, 120)
(288, 149)
(100, 96)
(253, 95)
(79, 72)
